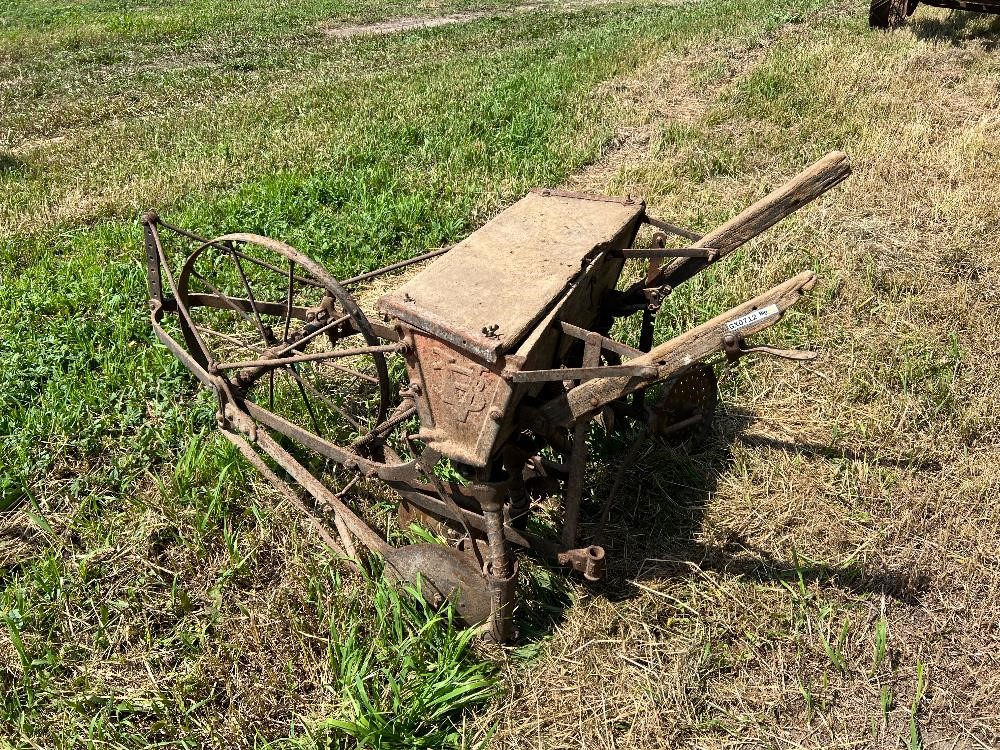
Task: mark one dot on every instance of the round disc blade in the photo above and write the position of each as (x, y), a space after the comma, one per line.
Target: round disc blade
(445, 574)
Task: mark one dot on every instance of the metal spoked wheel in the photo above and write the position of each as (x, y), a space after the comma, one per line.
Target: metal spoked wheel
(285, 335)
(684, 407)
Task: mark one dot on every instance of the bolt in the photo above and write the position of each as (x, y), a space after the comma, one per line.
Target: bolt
(310, 316)
(496, 415)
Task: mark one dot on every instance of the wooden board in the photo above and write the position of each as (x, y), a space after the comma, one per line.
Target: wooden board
(513, 270)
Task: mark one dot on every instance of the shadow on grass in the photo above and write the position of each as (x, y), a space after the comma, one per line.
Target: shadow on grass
(656, 519)
(959, 28)
(11, 164)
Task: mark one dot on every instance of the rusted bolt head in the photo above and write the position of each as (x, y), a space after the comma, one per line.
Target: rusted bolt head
(310, 316)
(729, 339)
(496, 414)
(150, 217)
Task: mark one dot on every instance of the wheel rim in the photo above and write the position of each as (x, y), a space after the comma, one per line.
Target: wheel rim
(253, 299)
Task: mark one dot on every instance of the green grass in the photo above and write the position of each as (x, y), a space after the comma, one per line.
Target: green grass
(153, 592)
(141, 604)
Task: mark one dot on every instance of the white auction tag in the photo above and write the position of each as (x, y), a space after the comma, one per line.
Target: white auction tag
(751, 317)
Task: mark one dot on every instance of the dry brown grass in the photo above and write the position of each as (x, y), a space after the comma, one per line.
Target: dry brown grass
(749, 578)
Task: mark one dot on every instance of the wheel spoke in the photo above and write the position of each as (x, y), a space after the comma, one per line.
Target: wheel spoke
(303, 383)
(355, 373)
(288, 307)
(310, 336)
(231, 339)
(265, 264)
(253, 302)
(305, 400)
(223, 296)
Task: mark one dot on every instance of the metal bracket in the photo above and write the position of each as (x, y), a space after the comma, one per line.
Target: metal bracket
(671, 228)
(655, 295)
(647, 372)
(617, 347)
(587, 560)
(149, 220)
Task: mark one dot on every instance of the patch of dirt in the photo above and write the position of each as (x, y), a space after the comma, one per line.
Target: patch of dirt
(397, 25)
(414, 23)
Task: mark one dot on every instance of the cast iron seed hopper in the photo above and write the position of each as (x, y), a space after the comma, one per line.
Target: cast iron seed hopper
(469, 394)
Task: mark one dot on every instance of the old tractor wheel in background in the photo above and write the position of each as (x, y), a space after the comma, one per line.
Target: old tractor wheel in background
(444, 574)
(285, 335)
(890, 14)
(683, 408)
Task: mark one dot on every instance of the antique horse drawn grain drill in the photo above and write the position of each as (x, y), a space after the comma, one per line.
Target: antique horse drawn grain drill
(469, 394)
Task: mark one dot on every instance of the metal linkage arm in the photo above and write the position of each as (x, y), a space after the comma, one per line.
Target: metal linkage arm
(673, 356)
(623, 350)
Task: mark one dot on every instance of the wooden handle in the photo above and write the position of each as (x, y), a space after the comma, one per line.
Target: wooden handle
(804, 188)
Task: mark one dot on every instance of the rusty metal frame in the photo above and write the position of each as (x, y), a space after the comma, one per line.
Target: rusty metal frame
(544, 394)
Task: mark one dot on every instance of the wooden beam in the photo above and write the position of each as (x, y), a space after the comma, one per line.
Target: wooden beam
(804, 188)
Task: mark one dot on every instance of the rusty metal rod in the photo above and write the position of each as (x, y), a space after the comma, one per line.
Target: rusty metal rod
(280, 362)
(258, 463)
(396, 266)
(669, 252)
(323, 495)
(584, 373)
(577, 462)
(672, 228)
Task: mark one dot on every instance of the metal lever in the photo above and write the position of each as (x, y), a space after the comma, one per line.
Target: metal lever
(733, 346)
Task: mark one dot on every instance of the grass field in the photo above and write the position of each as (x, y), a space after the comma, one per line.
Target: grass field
(823, 573)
